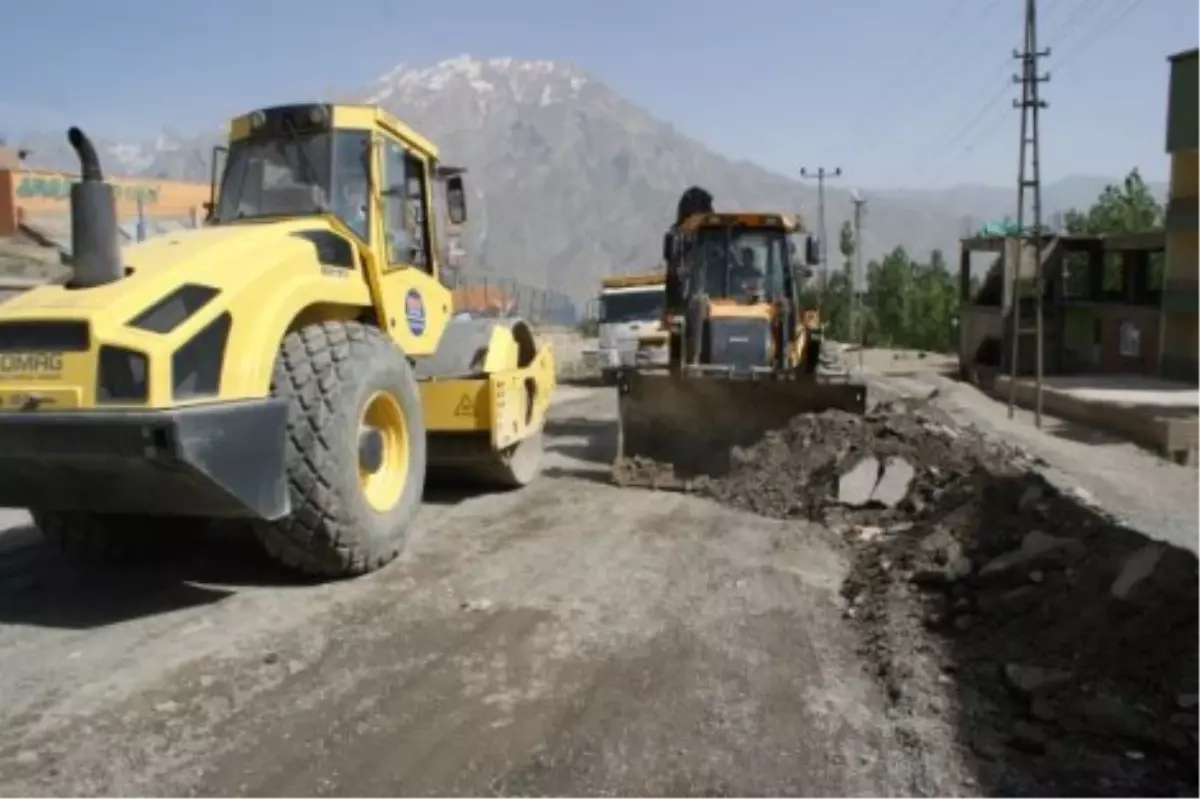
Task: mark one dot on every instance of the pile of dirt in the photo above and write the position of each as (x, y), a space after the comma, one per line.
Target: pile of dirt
(1060, 645)
(801, 471)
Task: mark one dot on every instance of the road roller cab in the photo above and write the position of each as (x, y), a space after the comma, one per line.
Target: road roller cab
(292, 363)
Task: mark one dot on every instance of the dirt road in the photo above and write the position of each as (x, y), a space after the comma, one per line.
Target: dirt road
(571, 638)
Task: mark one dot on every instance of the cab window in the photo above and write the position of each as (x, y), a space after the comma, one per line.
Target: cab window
(421, 252)
(394, 236)
(406, 228)
(351, 185)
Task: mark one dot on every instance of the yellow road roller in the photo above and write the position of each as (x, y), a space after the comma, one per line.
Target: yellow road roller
(293, 363)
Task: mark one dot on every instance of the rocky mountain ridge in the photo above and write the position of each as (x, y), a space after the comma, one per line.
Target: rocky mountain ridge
(572, 181)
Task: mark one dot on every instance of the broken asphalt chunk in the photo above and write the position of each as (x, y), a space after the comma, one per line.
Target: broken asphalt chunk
(1029, 680)
(856, 486)
(1186, 701)
(893, 486)
(1137, 567)
(944, 560)
(1037, 548)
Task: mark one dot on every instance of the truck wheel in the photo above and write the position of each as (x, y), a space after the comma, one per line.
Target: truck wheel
(355, 450)
(111, 539)
(812, 355)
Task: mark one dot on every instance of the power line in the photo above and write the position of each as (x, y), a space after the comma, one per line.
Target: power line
(879, 130)
(945, 145)
(951, 155)
(942, 145)
(947, 149)
(901, 76)
(1099, 34)
(1071, 17)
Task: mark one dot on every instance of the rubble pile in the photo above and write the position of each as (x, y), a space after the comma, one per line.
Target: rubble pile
(1061, 645)
(889, 464)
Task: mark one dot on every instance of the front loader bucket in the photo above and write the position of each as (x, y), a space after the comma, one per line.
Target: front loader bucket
(674, 428)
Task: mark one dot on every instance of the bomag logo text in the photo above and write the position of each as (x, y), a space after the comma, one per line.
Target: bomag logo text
(31, 362)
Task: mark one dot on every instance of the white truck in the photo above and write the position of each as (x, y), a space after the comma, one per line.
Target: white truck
(631, 335)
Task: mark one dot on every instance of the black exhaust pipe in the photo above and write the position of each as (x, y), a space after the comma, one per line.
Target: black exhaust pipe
(694, 200)
(95, 239)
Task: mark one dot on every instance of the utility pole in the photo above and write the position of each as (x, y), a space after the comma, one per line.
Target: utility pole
(856, 276)
(822, 175)
(1029, 179)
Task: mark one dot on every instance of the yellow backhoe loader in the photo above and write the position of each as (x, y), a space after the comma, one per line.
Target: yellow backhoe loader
(744, 356)
(292, 364)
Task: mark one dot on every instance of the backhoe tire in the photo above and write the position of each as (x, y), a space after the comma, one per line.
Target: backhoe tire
(112, 539)
(812, 356)
(340, 378)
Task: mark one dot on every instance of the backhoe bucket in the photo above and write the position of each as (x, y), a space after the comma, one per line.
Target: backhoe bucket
(674, 428)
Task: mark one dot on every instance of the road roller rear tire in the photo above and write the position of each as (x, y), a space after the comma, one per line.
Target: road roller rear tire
(112, 539)
(352, 502)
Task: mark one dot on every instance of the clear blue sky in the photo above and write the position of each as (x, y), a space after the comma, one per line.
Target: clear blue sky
(894, 91)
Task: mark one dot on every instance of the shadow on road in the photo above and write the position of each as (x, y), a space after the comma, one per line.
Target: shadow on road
(1081, 434)
(39, 586)
(592, 441)
(447, 490)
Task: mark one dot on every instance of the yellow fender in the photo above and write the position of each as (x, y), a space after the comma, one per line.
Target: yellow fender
(485, 394)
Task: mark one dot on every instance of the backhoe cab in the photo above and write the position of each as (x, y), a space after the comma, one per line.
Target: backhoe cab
(733, 294)
(292, 363)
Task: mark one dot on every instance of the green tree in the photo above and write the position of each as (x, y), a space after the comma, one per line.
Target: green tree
(846, 241)
(910, 304)
(889, 295)
(934, 306)
(1128, 207)
(835, 298)
(835, 306)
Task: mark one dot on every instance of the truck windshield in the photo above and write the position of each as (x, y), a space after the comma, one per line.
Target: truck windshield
(631, 306)
(741, 263)
(297, 175)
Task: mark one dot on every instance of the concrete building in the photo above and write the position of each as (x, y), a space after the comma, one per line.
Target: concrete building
(1178, 352)
(1101, 307)
(1119, 322)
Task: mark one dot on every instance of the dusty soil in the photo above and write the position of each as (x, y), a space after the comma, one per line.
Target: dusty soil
(756, 637)
(570, 638)
(1060, 646)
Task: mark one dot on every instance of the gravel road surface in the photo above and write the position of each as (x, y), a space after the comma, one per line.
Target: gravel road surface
(570, 638)
(1156, 497)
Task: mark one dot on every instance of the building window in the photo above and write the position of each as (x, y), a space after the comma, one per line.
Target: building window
(1131, 340)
